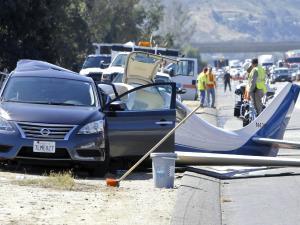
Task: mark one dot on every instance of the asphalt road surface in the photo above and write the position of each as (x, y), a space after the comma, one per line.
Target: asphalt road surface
(248, 196)
(226, 101)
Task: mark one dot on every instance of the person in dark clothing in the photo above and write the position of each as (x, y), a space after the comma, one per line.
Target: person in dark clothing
(227, 78)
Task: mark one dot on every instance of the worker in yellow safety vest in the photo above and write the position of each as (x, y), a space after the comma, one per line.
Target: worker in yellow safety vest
(210, 88)
(257, 85)
(201, 84)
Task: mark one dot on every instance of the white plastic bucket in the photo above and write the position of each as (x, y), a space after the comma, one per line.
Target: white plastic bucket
(163, 169)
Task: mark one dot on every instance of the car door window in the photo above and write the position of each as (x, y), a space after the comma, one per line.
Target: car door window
(185, 68)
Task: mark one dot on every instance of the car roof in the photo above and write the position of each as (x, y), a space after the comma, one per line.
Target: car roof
(282, 68)
(44, 69)
(123, 53)
(99, 55)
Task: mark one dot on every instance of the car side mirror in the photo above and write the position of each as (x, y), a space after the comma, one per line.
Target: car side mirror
(117, 106)
(102, 65)
(180, 91)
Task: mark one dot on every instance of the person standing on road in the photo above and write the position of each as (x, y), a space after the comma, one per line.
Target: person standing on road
(227, 78)
(257, 85)
(210, 88)
(201, 84)
(247, 67)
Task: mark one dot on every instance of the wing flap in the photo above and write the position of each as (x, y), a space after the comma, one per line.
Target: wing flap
(277, 143)
(196, 158)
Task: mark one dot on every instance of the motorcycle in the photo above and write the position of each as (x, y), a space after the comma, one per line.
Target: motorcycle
(244, 109)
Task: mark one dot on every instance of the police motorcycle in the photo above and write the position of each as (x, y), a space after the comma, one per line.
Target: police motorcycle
(244, 109)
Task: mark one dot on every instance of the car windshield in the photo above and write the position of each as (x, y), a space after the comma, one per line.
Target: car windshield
(162, 79)
(52, 91)
(94, 61)
(293, 60)
(281, 71)
(267, 64)
(119, 60)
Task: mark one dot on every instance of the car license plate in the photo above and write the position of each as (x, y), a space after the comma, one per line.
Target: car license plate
(44, 146)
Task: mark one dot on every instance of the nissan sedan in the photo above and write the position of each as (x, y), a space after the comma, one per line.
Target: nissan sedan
(48, 113)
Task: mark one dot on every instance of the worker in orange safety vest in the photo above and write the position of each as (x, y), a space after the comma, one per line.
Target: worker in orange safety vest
(210, 88)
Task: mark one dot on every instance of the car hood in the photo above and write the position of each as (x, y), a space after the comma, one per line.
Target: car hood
(86, 71)
(113, 69)
(141, 68)
(52, 114)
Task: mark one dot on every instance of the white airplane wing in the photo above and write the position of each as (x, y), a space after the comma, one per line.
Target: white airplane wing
(196, 158)
(277, 143)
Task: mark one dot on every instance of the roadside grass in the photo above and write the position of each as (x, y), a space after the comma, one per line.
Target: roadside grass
(57, 180)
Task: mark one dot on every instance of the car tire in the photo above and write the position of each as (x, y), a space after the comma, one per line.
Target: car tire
(245, 122)
(101, 168)
(196, 96)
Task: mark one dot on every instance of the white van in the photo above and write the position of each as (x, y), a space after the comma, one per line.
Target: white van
(266, 60)
(185, 73)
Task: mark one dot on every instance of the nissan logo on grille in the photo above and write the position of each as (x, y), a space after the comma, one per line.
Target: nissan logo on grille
(45, 131)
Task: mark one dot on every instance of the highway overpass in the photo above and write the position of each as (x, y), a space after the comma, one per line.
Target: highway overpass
(243, 47)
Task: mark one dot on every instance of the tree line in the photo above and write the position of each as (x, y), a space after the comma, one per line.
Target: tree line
(62, 32)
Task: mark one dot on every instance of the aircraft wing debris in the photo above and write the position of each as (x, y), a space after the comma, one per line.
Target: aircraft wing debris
(277, 143)
(197, 158)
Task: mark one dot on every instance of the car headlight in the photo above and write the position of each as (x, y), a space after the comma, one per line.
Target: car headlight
(5, 126)
(93, 127)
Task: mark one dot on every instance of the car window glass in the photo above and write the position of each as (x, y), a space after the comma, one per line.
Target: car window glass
(282, 71)
(108, 90)
(161, 79)
(118, 78)
(94, 61)
(149, 98)
(185, 68)
(145, 58)
(293, 60)
(119, 60)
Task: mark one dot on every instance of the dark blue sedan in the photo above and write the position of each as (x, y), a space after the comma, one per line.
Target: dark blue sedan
(48, 113)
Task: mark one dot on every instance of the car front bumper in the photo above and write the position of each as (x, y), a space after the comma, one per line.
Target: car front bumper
(84, 147)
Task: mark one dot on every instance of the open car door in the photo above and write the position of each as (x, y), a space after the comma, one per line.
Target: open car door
(139, 118)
